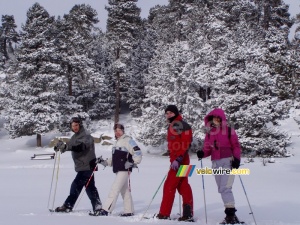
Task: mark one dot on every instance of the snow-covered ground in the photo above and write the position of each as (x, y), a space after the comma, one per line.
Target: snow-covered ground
(273, 190)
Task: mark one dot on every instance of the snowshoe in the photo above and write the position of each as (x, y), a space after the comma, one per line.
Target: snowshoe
(99, 212)
(63, 208)
(186, 219)
(231, 220)
(126, 214)
(162, 217)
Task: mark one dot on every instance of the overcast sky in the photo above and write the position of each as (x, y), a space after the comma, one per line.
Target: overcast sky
(18, 8)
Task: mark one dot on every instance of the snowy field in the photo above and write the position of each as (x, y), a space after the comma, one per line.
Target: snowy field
(273, 190)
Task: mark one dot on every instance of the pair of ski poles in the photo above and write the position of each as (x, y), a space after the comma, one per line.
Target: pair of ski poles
(56, 167)
(203, 187)
(143, 216)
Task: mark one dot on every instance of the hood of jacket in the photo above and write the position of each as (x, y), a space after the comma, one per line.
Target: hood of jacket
(218, 112)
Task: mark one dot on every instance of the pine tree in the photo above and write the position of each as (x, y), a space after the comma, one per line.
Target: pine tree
(170, 81)
(33, 108)
(229, 66)
(246, 86)
(279, 58)
(73, 34)
(8, 36)
(122, 31)
(104, 100)
(292, 80)
(141, 57)
(75, 41)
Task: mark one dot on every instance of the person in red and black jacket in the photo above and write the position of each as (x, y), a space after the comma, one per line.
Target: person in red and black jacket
(179, 139)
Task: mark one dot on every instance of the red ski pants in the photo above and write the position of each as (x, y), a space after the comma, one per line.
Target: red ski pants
(172, 184)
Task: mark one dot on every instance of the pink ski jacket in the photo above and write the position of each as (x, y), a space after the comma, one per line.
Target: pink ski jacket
(218, 143)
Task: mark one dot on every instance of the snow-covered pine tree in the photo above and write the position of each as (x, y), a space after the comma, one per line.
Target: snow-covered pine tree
(174, 22)
(170, 81)
(122, 31)
(73, 34)
(165, 24)
(297, 34)
(8, 36)
(279, 58)
(295, 48)
(34, 84)
(141, 57)
(103, 103)
(229, 69)
(3, 94)
(84, 80)
(159, 21)
(243, 84)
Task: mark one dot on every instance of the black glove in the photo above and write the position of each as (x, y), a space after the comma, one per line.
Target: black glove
(235, 164)
(200, 154)
(60, 146)
(101, 161)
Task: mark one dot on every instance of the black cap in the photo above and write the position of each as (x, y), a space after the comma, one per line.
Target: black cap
(173, 109)
(76, 120)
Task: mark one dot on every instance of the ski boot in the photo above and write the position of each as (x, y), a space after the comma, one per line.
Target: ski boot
(187, 214)
(64, 208)
(231, 218)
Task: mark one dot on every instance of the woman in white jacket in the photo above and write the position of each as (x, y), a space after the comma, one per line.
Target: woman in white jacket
(125, 155)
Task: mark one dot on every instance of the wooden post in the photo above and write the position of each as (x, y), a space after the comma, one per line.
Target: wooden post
(38, 140)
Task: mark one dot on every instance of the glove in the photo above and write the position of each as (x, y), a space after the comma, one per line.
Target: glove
(60, 146)
(175, 165)
(129, 165)
(235, 164)
(101, 161)
(200, 154)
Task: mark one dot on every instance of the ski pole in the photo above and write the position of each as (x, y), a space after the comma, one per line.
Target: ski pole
(251, 212)
(85, 187)
(203, 187)
(56, 181)
(154, 196)
(129, 185)
(52, 180)
(179, 205)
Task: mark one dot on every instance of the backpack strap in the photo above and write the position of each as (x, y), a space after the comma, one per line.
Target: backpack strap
(229, 133)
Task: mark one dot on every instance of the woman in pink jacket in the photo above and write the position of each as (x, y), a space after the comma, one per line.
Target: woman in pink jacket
(221, 143)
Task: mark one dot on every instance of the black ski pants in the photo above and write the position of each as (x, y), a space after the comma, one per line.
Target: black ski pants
(78, 183)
